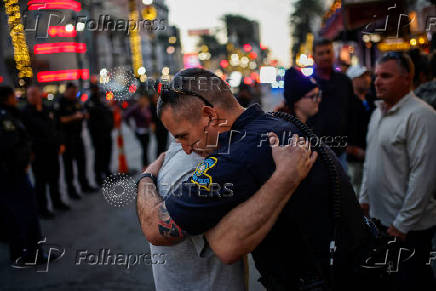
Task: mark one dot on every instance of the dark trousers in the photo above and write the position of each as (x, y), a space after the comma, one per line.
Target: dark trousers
(102, 152)
(45, 170)
(18, 211)
(143, 140)
(74, 150)
(416, 273)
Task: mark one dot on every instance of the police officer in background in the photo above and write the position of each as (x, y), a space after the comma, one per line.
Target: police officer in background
(17, 200)
(314, 240)
(71, 115)
(100, 125)
(46, 147)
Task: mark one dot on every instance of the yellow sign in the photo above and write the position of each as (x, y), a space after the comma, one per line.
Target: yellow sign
(149, 13)
(394, 46)
(16, 31)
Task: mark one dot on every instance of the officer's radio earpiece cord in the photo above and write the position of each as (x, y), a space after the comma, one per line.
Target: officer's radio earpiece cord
(334, 185)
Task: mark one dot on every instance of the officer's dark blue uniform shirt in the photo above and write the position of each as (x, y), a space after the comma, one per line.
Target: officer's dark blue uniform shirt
(229, 176)
(237, 169)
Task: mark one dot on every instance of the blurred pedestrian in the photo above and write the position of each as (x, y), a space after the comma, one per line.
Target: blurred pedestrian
(302, 95)
(141, 113)
(17, 200)
(245, 97)
(160, 131)
(421, 63)
(100, 125)
(427, 90)
(332, 122)
(399, 182)
(71, 114)
(46, 148)
(362, 107)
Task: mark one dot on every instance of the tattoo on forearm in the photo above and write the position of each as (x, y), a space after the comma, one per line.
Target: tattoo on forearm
(167, 226)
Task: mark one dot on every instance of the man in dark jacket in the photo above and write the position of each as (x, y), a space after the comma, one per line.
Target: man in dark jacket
(362, 106)
(17, 199)
(71, 115)
(332, 123)
(100, 125)
(46, 147)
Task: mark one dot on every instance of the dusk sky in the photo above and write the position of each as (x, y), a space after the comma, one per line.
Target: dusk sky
(272, 15)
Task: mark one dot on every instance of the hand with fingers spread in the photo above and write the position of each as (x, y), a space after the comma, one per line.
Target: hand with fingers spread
(294, 160)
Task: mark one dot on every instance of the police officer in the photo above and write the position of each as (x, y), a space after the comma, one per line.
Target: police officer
(17, 200)
(46, 147)
(100, 125)
(312, 241)
(70, 113)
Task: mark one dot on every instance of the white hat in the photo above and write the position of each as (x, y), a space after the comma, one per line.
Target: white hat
(356, 71)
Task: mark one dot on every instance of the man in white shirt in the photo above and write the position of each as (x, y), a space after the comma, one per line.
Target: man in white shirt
(399, 183)
(190, 264)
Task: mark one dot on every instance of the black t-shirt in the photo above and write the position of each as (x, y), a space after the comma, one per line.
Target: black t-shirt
(362, 110)
(101, 120)
(15, 145)
(42, 128)
(68, 107)
(332, 122)
(240, 166)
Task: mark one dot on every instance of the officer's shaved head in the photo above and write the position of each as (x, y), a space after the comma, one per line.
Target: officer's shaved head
(202, 82)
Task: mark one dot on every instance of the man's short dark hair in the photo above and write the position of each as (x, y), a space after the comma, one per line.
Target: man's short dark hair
(402, 59)
(320, 42)
(5, 93)
(201, 82)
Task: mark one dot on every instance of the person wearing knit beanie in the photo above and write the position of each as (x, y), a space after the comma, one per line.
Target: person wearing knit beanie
(302, 94)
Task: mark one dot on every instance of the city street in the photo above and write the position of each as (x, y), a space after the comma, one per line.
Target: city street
(89, 84)
(92, 225)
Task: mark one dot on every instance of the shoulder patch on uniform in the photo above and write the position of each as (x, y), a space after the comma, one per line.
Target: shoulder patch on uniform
(200, 176)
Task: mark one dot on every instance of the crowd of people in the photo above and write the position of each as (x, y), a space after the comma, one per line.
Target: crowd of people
(36, 133)
(381, 138)
(380, 129)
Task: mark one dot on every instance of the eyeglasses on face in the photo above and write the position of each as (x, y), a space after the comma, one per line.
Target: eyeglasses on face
(315, 97)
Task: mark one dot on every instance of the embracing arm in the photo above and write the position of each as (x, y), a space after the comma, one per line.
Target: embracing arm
(156, 224)
(245, 226)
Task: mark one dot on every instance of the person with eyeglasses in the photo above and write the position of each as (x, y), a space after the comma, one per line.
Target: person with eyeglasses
(259, 190)
(302, 95)
(399, 179)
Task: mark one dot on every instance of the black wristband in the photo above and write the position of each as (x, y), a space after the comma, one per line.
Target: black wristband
(144, 175)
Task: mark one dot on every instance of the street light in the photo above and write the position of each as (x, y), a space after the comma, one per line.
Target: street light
(147, 2)
(80, 26)
(141, 71)
(69, 27)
